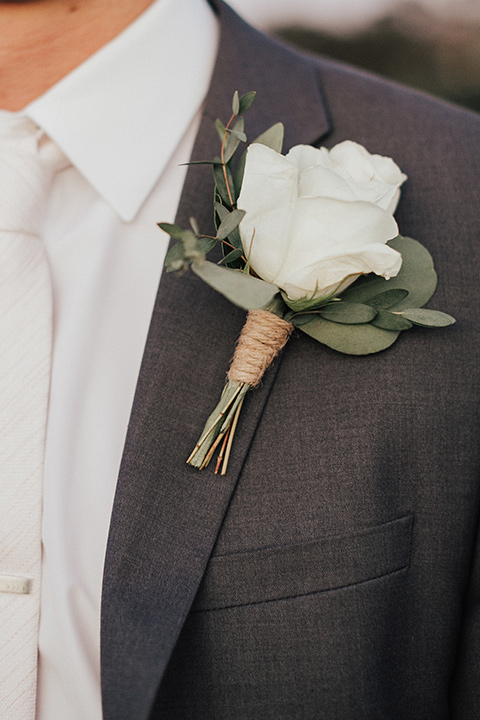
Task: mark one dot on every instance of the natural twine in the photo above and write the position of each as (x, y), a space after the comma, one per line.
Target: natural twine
(263, 336)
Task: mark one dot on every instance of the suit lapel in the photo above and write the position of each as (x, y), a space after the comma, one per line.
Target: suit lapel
(166, 515)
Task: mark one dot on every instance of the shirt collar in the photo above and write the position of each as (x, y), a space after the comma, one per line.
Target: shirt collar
(120, 115)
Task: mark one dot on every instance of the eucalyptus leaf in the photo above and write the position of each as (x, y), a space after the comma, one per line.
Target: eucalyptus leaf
(221, 212)
(229, 223)
(417, 275)
(238, 134)
(428, 318)
(236, 103)
(216, 161)
(243, 290)
(348, 313)
(390, 321)
(175, 258)
(176, 266)
(302, 319)
(230, 147)
(194, 225)
(273, 137)
(231, 256)
(349, 339)
(235, 136)
(220, 128)
(191, 248)
(205, 244)
(235, 240)
(246, 101)
(385, 300)
(174, 231)
(240, 173)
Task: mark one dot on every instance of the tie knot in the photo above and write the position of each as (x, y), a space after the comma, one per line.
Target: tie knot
(28, 162)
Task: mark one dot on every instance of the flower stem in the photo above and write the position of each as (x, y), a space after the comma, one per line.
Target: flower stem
(222, 452)
(222, 156)
(230, 437)
(211, 452)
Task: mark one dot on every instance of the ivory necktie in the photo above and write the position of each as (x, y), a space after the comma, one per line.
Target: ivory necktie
(26, 172)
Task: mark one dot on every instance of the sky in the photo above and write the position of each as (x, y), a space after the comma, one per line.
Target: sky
(338, 15)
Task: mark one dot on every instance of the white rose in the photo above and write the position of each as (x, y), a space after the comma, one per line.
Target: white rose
(317, 219)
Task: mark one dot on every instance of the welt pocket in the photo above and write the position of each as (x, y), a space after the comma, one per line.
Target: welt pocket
(328, 563)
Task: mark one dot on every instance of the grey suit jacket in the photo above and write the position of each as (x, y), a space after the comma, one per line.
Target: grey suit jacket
(332, 573)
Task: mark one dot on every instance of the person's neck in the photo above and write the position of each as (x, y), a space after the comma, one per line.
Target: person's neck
(43, 40)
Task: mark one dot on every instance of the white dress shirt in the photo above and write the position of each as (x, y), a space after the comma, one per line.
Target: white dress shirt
(126, 119)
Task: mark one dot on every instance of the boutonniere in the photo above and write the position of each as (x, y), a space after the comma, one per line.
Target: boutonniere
(309, 241)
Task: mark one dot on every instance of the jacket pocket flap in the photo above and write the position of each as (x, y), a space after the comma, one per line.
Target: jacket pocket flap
(328, 563)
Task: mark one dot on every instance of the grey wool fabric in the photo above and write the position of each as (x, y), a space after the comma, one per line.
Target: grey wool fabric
(332, 574)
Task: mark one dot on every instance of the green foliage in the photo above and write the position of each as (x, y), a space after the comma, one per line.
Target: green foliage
(236, 103)
(396, 304)
(219, 172)
(246, 291)
(246, 101)
(174, 231)
(348, 313)
(230, 257)
(194, 225)
(175, 258)
(428, 318)
(417, 275)
(229, 223)
(302, 319)
(221, 129)
(390, 321)
(234, 137)
(191, 247)
(273, 137)
(387, 299)
(349, 339)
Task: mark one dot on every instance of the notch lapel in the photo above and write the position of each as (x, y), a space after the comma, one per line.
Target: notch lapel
(166, 515)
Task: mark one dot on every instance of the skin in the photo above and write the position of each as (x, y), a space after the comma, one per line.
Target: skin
(43, 40)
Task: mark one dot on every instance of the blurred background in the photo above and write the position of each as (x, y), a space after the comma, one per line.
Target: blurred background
(433, 45)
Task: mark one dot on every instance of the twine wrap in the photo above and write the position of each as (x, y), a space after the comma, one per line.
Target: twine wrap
(263, 336)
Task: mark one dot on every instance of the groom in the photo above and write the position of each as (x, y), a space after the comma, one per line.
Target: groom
(333, 573)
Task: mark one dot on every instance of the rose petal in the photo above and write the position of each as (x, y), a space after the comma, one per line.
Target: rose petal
(325, 228)
(306, 156)
(326, 277)
(356, 165)
(268, 194)
(321, 182)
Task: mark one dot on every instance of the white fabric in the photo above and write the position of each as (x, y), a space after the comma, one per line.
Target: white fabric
(126, 119)
(26, 173)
